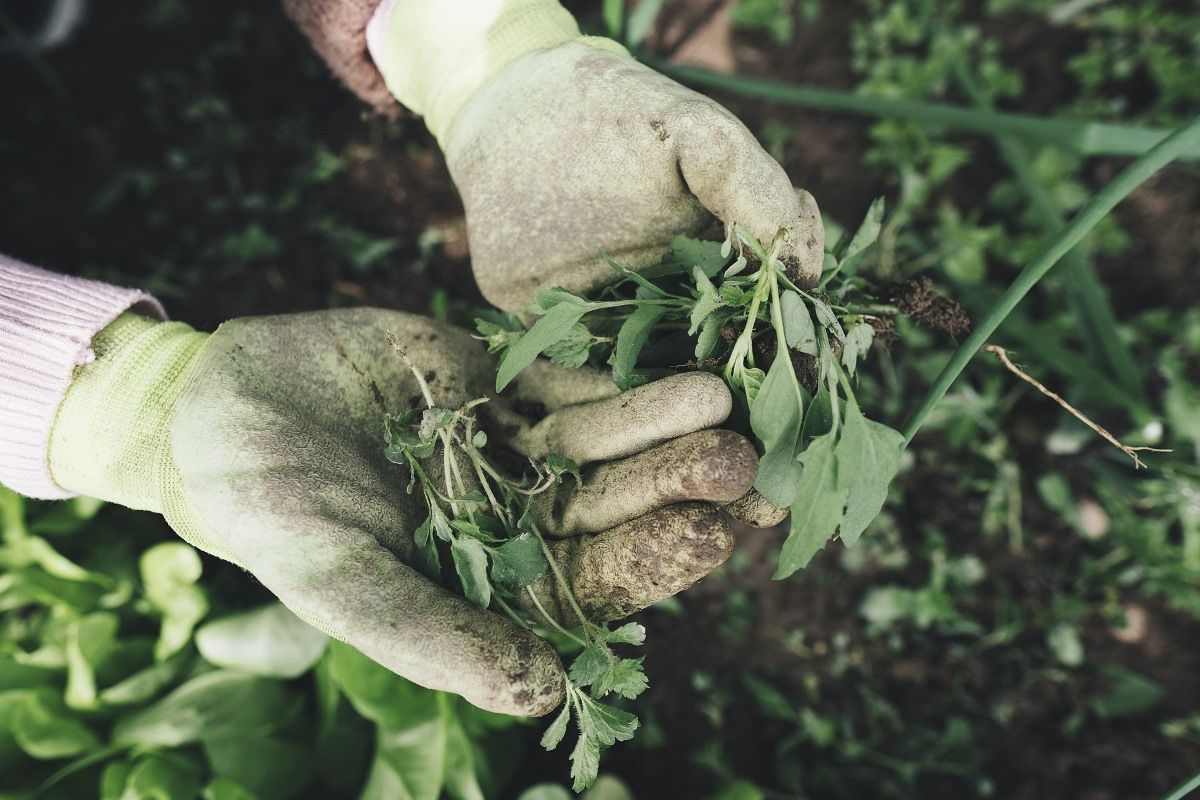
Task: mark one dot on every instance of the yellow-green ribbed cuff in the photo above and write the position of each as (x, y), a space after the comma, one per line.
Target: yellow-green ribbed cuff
(111, 436)
(435, 55)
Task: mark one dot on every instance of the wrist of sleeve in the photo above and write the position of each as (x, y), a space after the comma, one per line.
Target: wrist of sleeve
(434, 55)
(111, 435)
(47, 323)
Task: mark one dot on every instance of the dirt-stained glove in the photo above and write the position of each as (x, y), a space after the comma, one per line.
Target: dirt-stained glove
(564, 147)
(337, 31)
(263, 444)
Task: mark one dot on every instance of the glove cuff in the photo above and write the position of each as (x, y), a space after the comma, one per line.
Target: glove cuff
(434, 56)
(110, 439)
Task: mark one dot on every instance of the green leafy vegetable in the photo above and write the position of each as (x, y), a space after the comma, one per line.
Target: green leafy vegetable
(269, 641)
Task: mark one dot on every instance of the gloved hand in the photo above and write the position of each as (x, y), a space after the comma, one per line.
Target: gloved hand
(337, 29)
(564, 147)
(263, 444)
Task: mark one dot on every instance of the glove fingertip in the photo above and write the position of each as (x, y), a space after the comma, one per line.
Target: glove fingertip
(756, 511)
(803, 251)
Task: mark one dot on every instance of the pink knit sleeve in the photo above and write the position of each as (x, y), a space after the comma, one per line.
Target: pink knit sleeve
(47, 322)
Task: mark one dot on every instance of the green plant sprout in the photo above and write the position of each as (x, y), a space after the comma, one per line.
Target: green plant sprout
(787, 353)
(486, 520)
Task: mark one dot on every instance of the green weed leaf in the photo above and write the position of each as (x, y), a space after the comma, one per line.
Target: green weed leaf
(625, 678)
(705, 255)
(606, 724)
(518, 563)
(558, 729)
(631, 338)
(571, 350)
(858, 342)
(594, 660)
(799, 331)
(817, 508)
(585, 763)
(629, 633)
(557, 324)
(775, 417)
(868, 456)
(707, 300)
(471, 564)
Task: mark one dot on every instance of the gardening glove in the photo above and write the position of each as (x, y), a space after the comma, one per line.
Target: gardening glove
(565, 148)
(263, 444)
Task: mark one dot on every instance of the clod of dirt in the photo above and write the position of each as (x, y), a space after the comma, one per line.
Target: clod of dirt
(885, 331)
(916, 298)
(806, 366)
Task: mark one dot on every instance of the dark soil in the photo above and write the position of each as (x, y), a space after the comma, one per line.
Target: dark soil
(929, 308)
(132, 154)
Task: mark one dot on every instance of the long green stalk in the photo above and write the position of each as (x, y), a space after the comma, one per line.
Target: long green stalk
(1181, 141)
(1184, 789)
(1088, 297)
(1081, 136)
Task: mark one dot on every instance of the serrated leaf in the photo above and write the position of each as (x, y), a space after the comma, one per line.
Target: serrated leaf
(497, 337)
(518, 563)
(626, 678)
(558, 729)
(858, 342)
(631, 338)
(572, 350)
(592, 662)
(585, 763)
(470, 562)
(606, 724)
(629, 633)
(799, 331)
(817, 509)
(868, 456)
(555, 325)
(706, 255)
(733, 295)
